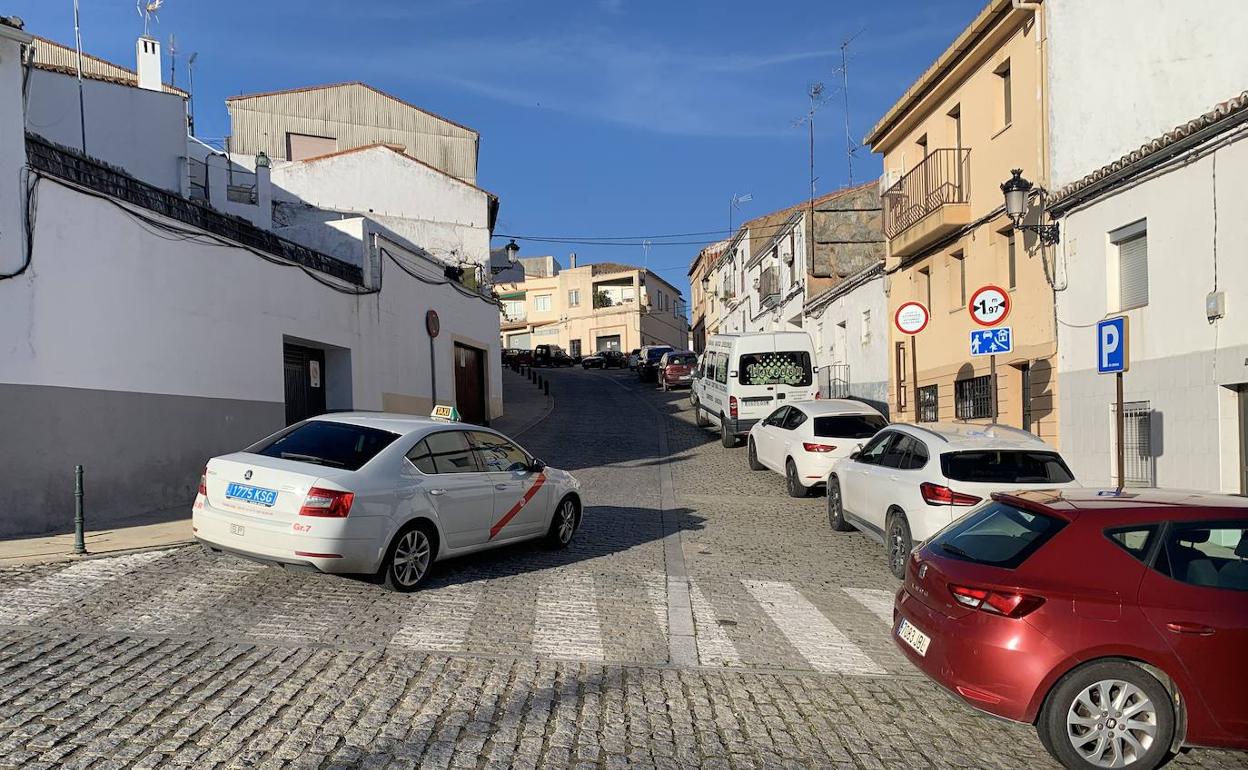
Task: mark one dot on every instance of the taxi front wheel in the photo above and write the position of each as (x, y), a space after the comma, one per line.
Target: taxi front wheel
(563, 524)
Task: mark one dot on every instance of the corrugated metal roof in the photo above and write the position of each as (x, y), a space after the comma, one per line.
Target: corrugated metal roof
(1231, 108)
(305, 89)
(54, 57)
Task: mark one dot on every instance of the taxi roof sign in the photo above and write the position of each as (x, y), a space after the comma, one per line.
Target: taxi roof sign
(445, 413)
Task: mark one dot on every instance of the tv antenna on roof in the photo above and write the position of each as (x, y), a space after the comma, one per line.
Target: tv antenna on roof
(147, 11)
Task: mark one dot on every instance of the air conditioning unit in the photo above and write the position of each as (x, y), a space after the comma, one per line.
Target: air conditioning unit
(787, 256)
(889, 178)
(755, 283)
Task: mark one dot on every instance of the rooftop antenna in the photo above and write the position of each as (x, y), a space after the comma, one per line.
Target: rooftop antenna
(190, 90)
(82, 110)
(173, 60)
(147, 11)
(815, 91)
(735, 205)
(851, 147)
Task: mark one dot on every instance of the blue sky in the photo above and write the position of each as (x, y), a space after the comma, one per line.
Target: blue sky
(597, 117)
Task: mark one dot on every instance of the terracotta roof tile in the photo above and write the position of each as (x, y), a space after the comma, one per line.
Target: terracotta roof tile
(55, 57)
(396, 148)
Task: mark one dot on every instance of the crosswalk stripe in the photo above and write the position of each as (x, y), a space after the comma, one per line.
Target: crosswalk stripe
(879, 602)
(656, 595)
(714, 646)
(566, 623)
(821, 643)
(23, 605)
(182, 603)
(441, 619)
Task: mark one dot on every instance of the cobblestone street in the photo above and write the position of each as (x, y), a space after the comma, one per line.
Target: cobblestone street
(701, 618)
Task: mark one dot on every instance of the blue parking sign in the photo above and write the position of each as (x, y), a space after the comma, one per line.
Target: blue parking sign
(1111, 346)
(991, 342)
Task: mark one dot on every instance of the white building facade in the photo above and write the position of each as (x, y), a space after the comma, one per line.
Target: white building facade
(849, 326)
(150, 331)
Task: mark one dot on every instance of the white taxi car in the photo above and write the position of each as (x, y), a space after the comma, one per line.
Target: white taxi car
(804, 439)
(387, 494)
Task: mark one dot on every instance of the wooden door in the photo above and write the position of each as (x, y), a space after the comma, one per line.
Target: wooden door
(470, 384)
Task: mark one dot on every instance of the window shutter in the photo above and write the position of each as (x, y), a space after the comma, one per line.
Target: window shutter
(1133, 272)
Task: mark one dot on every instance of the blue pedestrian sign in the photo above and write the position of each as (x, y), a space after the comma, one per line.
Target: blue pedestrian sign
(1111, 346)
(991, 342)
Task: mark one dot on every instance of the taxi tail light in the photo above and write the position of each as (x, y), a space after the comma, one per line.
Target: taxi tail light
(203, 482)
(1010, 605)
(809, 447)
(732, 406)
(935, 494)
(327, 503)
(818, 395)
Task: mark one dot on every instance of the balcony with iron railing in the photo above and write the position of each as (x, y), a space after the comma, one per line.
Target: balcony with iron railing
(769, 286)
(929, 202)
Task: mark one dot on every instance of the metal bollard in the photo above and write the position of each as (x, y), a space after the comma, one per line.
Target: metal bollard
(80, 543)
(547, 387)
(539, 380)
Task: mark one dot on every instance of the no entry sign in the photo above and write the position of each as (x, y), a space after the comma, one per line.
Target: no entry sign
(911, 318)
(989, 305)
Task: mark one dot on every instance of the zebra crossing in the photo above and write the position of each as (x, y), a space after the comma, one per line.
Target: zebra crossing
(568, 612)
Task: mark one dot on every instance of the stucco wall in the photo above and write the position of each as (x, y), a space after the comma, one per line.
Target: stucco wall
(138, 314)
(12, 155)
(143, 132)
(1122, 72)
(439, 213)
(864, 345)
(1180, 362)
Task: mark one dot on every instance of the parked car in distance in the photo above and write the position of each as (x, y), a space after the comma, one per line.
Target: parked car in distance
(551, 355)
(605, 359)
(675, 369)
(802, 441)
(633, 357)
(388, 494)
(746, 376)
(1115, 621)
(517, 356)
(648, 361)
(910, 481)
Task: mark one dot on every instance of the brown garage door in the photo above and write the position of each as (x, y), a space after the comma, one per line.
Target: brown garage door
(470, 383)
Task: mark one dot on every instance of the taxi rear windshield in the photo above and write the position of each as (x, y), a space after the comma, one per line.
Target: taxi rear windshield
(997, 535)
(332, 444)
(789, 367)
(996, 466)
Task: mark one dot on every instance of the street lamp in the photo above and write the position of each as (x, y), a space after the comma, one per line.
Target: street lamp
(512, 249)
(1017, 192)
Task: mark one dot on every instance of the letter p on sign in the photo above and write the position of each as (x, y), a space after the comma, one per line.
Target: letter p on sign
(1111, 346)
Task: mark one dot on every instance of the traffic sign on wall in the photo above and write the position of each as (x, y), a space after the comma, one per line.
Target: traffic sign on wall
(989, 305)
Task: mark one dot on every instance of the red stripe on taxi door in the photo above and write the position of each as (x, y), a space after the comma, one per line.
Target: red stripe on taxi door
(528, 495)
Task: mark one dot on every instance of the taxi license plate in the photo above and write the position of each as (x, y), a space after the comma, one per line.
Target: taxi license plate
(912, 636)
(257, 495)
(238, 529)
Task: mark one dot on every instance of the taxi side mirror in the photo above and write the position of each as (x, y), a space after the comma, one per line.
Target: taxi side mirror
(536, 466)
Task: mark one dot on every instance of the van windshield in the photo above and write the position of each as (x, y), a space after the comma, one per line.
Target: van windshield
(791, 367)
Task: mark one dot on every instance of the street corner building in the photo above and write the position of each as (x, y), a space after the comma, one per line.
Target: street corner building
(165, 300)
(589, 308)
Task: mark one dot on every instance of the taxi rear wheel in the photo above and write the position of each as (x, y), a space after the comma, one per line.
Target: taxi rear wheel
(755, 465)
(409, 559)
(563, 524)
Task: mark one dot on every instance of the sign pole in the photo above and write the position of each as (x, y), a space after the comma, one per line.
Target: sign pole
(992, 375)
(1120, 421)
(914, 373)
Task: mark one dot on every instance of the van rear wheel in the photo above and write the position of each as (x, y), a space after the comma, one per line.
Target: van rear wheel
(726, 437)
(699, 418)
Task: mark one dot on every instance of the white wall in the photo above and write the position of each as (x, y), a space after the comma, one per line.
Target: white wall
(12, 153)
(866, 353)
(1123, 72)
(133, 312)
(144, 132)
(441, 214)
(1180, 362)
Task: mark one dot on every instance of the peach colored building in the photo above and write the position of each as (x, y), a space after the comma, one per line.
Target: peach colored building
(948, 144)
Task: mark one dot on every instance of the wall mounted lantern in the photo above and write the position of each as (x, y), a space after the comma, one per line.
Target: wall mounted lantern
(1017, 192)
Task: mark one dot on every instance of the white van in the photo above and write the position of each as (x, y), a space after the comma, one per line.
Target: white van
(745, 377)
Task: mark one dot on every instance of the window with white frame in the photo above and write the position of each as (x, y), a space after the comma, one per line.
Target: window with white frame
(866, 326)
(513, 309)
(541, 303)
(1131, 243)
(574, 297)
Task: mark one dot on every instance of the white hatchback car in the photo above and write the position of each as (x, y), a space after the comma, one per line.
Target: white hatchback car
(910, 481)
(803, 440)
(386, 494)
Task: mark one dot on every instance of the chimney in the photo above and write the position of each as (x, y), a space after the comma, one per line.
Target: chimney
(147, 51)
(572, 261)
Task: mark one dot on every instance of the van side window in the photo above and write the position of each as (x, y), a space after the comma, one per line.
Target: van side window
(721, 368)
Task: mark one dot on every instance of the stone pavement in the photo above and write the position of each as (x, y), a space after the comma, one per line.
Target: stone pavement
(521, 657)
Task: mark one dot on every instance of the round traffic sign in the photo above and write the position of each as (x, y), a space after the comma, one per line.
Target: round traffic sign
(911, 317)
(989, 305)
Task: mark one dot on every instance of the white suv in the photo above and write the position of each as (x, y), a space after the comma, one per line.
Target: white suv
(909, 481)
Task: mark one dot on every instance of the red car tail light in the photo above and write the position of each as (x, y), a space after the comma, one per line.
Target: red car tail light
(327, 503)
(732, 406)
(809, 447)
(935, 494)
(203, 482)
(1011, 605)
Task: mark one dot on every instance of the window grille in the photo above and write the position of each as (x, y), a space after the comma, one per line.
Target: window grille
(929, 406)
(1139, 467)
(973, 397)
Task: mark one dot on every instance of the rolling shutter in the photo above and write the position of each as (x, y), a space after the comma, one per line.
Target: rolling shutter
(1133, 272)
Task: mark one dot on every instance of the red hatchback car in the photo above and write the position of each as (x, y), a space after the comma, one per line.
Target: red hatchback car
(676, 369)
(1115, 621)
